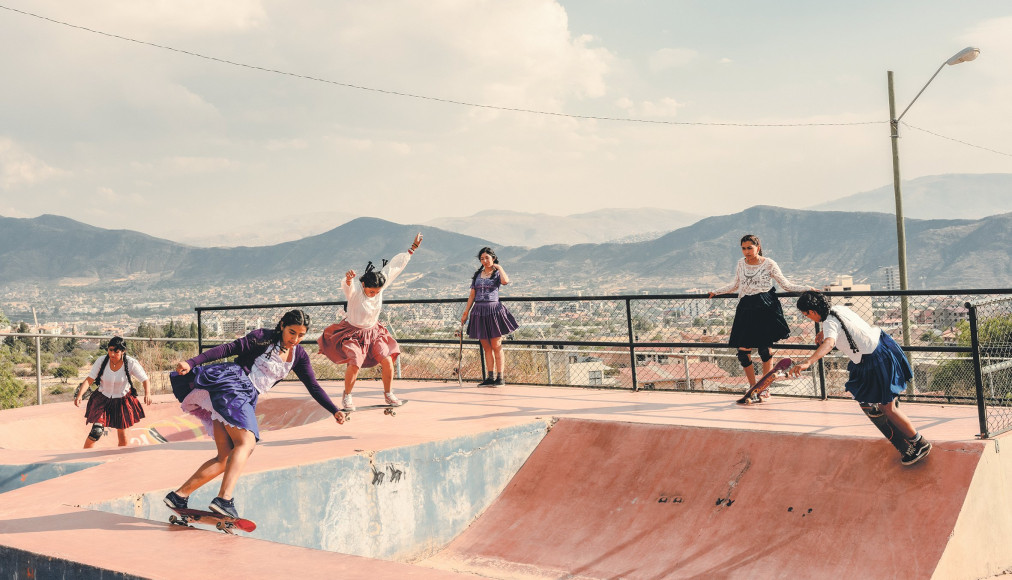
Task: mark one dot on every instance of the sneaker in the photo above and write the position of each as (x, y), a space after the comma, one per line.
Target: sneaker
(917, 452)
(347, 404)
(498, 382)
(176, 501)
(487, 382)
(765, 394)
(392, 400)
(225, 507)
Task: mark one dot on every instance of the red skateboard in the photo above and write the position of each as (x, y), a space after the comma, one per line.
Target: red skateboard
(780, 370)
(224, 523)
(387, 409)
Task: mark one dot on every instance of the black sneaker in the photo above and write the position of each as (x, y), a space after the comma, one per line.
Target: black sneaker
(487, 382)
(917, 452)
(225, 507)
(498, 382)
(176, 501)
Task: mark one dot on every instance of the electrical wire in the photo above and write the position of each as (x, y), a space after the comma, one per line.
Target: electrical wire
(427, 97)
(905, 124)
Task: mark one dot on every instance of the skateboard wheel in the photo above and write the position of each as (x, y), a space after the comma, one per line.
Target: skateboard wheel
(173, 519)
(388, 411)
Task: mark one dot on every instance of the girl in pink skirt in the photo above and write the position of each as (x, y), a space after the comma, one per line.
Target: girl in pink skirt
(359, 340)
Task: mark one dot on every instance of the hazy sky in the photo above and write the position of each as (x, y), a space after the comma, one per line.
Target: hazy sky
(124, 135)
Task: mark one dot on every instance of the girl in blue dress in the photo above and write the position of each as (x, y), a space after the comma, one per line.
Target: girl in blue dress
(224, 397)
(489, 319)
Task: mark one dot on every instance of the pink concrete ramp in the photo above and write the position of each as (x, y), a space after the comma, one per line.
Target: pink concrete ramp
(624, 500)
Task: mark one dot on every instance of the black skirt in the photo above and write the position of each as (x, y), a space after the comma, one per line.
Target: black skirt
(758, 321)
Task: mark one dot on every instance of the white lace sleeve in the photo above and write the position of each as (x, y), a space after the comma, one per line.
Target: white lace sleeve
(733, 285)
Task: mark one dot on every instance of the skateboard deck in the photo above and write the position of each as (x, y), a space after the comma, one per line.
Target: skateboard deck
(459, 371)
(224, 523)
(779, 370)
(879, 419)
(387, 409)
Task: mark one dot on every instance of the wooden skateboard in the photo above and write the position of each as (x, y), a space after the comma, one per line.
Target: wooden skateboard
(387, 409)
(779, 370)
(226, 524)
(459, 371)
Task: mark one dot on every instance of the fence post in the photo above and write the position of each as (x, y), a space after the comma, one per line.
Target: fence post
(688, 379)
(822, 368)
(975, 345)
(548, 364)
(632, 341)
(38, 366)
(200, 332)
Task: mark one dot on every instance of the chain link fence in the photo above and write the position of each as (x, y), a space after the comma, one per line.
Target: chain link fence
(991, 338)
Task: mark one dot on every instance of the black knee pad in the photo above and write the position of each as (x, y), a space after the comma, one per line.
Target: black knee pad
(744, 358)
(764, 353)
(97, 430)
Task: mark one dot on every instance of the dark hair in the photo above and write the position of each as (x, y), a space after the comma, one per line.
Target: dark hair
(117, 343)
(815, 301)
(822, 305)
(291, 317)
(491, 253)
(754, 239)
(373, 278)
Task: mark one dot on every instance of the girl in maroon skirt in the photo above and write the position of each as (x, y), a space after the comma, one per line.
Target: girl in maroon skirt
(490, 320)
(115, 402)
(360, 341)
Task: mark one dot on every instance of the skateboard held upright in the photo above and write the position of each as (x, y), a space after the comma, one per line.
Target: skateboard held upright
(779, 370)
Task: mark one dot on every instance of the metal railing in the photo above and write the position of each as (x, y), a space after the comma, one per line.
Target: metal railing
(640, 342)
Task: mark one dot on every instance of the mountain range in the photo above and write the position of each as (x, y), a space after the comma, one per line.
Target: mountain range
(811, 247)
(964, 195)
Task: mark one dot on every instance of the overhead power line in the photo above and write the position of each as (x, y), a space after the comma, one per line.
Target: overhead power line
(427, 97)
(905, 124)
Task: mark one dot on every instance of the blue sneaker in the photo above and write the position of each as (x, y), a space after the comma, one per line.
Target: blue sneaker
(176, 501)
(225, 507)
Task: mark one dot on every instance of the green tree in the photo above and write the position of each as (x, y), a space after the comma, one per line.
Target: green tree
(11, 389)
(66, 370)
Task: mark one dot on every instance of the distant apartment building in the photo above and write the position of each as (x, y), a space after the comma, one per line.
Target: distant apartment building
(890, 278)
(862, 305)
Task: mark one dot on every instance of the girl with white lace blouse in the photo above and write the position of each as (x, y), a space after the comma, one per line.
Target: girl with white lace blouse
(759, 319)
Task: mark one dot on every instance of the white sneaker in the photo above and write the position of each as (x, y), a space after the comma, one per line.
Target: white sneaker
(392, 400)
(346, 403)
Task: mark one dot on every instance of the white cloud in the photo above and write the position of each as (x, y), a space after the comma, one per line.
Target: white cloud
(18, 168)
(669, 58)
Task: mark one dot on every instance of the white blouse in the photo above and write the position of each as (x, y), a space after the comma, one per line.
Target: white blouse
(363, 311)
(268, 369)
(750, 280)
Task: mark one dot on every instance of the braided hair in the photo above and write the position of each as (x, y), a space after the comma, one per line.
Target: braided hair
(373, 278)
(272, 339)
(117, 343)
(822, 305)
(491, 254)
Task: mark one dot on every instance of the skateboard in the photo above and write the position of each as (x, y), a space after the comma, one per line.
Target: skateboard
(387, 409)
(459, 371)
(224, 523)
(780, 370)
(884, 425)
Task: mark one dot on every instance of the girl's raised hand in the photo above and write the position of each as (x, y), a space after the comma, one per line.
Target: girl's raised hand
(418, 241)
(349, 275)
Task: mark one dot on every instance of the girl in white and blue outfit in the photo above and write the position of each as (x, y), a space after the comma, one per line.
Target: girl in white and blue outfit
(878, 369)
(224, 397)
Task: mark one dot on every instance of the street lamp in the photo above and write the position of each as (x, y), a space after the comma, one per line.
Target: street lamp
(967, 54)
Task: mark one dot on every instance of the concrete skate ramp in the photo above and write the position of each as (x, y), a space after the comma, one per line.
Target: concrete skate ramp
(622, 500)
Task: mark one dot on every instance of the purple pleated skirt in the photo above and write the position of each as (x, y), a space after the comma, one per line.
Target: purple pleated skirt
(219, 392)
(881, 375)
(490, 320)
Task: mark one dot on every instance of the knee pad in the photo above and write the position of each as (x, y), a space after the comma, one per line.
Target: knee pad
(97, 430)
(764, 353)
(744, 358)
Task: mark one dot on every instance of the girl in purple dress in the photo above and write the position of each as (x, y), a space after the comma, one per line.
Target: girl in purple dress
(224, 397)
(489, 319)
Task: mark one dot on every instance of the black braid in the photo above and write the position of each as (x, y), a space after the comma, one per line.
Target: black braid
(373, 278)
(850, 339)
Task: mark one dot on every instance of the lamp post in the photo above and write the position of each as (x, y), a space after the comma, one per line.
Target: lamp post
(967, 54)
